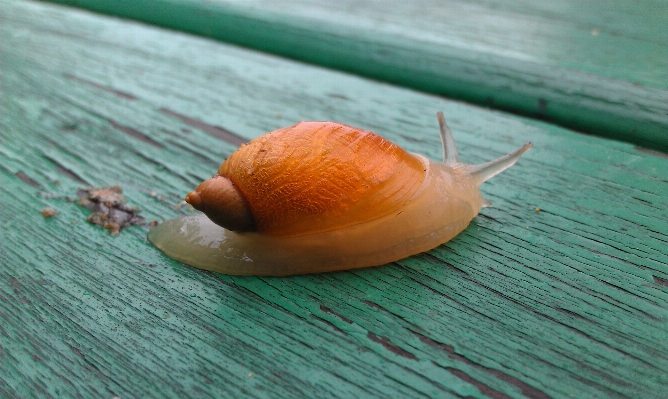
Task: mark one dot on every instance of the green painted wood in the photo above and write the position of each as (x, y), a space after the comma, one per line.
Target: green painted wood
(570, 301)
(599, 67)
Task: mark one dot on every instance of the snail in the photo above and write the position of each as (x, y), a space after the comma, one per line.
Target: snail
(324, 196)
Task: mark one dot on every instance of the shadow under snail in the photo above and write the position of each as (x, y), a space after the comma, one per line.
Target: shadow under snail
(323, 196)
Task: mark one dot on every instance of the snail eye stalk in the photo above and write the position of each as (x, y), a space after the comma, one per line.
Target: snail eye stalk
(450, 155)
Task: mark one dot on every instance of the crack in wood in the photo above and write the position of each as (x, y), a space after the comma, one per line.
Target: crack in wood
(527, 390)
(215, 131)
(119, 93)
(485, 389)
(382, 309)
(27, 179)
(330, 324)
(434, 259)
(67, 172)
(391, 347)
(135, 133)
(340, 316)
(661, 281)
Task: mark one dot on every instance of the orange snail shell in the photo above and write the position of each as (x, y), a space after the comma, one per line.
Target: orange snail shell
(323, 196)
(314, 177)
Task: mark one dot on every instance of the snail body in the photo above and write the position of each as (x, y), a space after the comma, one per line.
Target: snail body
(322, 196)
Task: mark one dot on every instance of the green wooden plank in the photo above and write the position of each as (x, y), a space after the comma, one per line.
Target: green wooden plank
(599, 67)
(570, 301)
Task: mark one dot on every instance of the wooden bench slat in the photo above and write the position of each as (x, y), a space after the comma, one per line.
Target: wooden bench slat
(599, 67)
(570, 300)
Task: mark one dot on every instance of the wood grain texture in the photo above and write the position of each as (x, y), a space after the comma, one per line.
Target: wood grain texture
(600, 67)
(568, 301)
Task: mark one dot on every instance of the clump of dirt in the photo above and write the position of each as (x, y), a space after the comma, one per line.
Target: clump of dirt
(109, 209)
(49, 212)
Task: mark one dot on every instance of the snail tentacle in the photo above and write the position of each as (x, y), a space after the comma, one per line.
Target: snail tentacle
(485, 171)
(450, 154)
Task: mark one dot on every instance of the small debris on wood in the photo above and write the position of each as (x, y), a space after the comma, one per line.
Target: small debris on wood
(110, 211)
(49, 212)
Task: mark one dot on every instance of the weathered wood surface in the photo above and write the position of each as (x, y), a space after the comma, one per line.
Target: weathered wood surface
(568, 301)
(600, 67)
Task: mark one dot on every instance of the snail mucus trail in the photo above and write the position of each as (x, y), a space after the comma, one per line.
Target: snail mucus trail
(323, 196)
